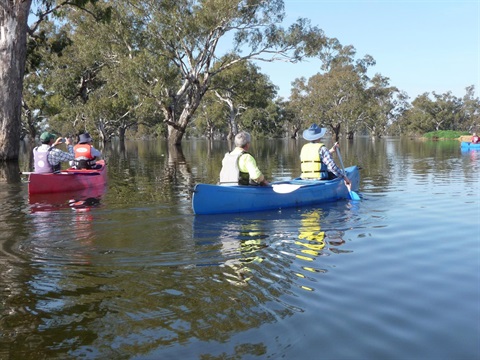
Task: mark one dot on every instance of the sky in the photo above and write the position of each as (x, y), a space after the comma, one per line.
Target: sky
(421, 46)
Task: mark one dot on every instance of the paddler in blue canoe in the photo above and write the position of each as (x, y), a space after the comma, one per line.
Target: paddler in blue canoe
(316, 160)
(239, 167)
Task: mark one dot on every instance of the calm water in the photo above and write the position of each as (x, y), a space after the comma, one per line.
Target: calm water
(131, 273)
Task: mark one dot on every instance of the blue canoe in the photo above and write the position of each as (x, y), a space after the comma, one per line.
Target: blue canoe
(216, 199)
(469, 146)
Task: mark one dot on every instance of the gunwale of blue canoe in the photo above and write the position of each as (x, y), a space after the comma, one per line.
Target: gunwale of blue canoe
(209, 199)
(469, 145)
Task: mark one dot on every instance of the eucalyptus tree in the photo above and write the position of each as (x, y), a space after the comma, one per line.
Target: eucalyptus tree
(471, 111)
(385, 105)
(14, 26)
(340, 100)
(240, 87)
(435, 112)
(334, 100)
(288, 118)
(336, 97)
(13, 52)
(38, 102)
(297, 118)
(97, 75)
(186, 37)
(416, 122)
(210, 120)
(267, 121)
(344, 98)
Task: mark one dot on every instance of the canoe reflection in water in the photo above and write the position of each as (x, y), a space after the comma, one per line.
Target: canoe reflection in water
(252, 240)
(311, 241)
(64, 233)
(283, 243)
(234, 241)
(81, 199)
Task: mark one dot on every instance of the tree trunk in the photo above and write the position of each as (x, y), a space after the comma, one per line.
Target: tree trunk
(175, 135)
(294, 133)
(336, 132)
(13, 52)
(10, 172)
(121, 133)
(176, 129)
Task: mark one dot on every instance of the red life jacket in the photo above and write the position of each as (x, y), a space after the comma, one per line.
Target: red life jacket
(83, 156)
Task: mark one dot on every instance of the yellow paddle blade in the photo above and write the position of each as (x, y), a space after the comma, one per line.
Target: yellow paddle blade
(310, 252)
(306, 258)
(317, 247)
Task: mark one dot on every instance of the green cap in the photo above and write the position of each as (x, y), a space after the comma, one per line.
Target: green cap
(46, 136)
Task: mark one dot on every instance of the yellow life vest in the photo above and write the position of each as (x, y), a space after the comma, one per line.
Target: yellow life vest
(311, 164)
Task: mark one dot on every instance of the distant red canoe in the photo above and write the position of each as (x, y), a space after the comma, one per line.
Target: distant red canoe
(67, 180)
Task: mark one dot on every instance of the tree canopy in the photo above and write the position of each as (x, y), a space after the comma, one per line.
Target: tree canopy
(167, 66)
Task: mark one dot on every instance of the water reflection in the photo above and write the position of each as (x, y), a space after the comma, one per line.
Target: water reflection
(139, 276)
(85, 198)
(266, 244)
(10, 172)
(62, 226)
(233, 242)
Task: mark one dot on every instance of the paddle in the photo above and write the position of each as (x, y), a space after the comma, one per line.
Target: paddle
(70, 172)
(353, 194)
(33, 172)
(285, 188)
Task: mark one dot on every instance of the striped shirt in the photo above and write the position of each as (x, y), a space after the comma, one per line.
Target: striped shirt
(56, 156)
(329, 162)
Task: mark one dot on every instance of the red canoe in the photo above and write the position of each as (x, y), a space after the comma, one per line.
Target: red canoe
(67, 180)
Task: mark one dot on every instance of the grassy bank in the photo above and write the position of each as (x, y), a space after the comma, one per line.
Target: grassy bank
(447, 135)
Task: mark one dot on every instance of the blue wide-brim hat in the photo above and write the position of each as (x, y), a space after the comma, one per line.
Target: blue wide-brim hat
(314, 133)
(84, 138)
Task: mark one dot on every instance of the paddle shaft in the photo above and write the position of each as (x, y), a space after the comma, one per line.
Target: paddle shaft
(62, 173)
(33, 172)
(353, 194)
(341, 161)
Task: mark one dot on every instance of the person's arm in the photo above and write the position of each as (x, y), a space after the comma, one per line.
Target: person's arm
(253, 170)
(261, 180)
(329, 162)
(68, 144)
(96, 153)
(332, 167)
(333, 148)
(56, 156)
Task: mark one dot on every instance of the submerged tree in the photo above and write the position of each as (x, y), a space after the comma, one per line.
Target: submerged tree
(239, 88)
(335, 98)
(13, 52)
(184, 44)
(14, 28)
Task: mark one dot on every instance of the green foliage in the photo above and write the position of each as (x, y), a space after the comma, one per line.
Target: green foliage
(141, 67)
(445, 134)
(138, 72)
(343, 98)
(238, 89)
(438, 112)
(92, 83)
(186, 54)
